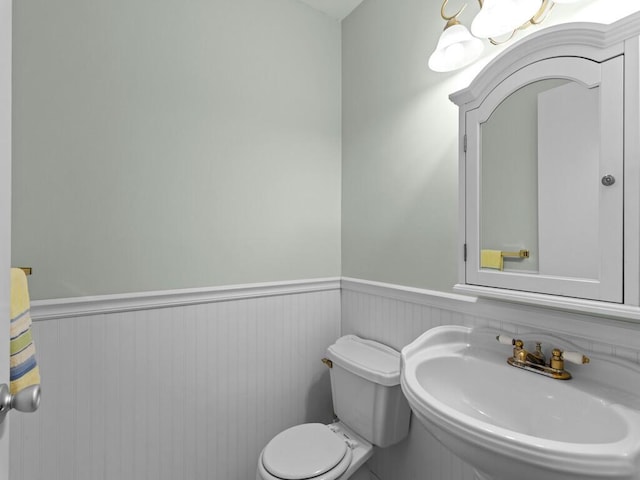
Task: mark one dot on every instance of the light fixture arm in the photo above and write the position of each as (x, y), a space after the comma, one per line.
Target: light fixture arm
(540, 16)
(543, 13)
(493, 41)
(453, 19)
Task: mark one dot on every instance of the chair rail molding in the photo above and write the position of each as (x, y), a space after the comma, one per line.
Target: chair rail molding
(126, 302)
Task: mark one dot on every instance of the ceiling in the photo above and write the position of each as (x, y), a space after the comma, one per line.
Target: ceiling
(337, 9)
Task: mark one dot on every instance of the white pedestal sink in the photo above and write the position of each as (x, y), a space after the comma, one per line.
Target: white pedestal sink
(512, 424)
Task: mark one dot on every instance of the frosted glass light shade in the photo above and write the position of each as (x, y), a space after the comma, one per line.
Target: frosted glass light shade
(456, 48)
(499, 17)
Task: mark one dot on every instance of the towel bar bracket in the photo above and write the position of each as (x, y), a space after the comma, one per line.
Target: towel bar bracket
(26, 400)
(518, 254)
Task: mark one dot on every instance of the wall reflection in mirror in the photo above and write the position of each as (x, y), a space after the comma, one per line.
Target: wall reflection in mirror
(539, 179)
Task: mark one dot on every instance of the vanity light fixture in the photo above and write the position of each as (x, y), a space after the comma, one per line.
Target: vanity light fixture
(457, 47)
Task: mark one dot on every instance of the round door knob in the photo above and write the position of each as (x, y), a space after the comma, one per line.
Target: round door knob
(26, 400)
(608, 180)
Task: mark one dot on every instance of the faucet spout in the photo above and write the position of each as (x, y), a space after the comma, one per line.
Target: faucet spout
(537, 357)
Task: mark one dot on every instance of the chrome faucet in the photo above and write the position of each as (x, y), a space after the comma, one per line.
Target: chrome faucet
(536, 361)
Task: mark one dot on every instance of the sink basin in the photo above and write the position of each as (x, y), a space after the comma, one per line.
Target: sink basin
(510, 423)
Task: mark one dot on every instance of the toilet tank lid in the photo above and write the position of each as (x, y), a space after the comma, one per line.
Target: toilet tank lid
(368, 359)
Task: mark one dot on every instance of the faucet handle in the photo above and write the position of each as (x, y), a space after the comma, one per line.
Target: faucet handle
(516, 342)
(504, 340)
(575, 357)
(559, 357)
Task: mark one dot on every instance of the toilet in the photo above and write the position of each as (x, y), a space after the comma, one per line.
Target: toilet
(371, 410)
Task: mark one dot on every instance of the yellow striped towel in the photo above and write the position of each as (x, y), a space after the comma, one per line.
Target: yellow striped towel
(24, 370)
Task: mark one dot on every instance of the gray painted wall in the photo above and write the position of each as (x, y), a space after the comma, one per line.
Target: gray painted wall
(399, 193)
(162, 144)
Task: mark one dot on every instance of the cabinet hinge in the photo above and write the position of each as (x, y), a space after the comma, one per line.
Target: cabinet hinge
(465, 143)
(464, 252)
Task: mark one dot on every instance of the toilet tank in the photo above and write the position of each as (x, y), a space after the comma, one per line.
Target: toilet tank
(365, 386)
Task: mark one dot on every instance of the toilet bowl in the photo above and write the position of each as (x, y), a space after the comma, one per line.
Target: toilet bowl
(365, 387)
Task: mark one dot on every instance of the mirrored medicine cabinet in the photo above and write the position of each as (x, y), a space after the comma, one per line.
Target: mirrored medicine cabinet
(550, 171)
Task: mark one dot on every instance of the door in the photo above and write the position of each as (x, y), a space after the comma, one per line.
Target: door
(5, 214)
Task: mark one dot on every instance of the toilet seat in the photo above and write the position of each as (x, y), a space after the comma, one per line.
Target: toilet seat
(308, 451)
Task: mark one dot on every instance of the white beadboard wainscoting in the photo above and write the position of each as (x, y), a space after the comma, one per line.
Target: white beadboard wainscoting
(174, 385)
(396, 315)
(192, 384)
